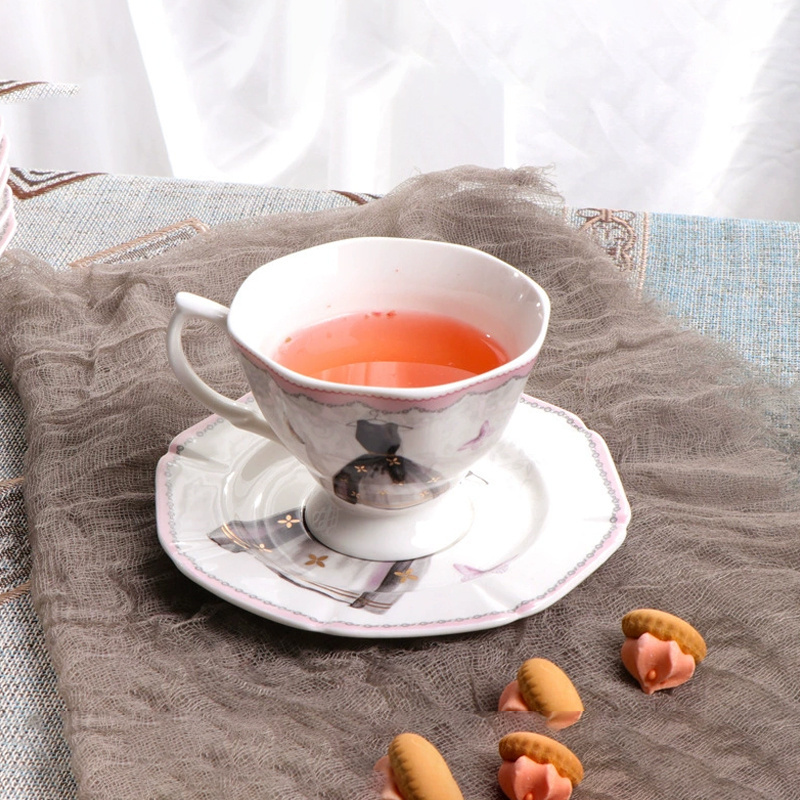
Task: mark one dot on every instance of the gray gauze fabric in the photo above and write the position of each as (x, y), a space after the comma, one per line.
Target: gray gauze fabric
(174, 693)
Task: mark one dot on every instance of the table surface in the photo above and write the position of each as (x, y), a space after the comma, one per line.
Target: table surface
(735, 280)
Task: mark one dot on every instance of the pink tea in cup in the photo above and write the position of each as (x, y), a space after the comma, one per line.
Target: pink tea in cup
(395, 348)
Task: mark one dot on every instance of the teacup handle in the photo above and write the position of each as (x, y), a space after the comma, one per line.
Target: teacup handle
(192, 305)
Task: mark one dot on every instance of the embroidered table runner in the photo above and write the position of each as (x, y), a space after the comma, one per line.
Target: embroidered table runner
(173, 693)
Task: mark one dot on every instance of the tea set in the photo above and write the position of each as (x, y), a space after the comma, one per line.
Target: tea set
(362, 508)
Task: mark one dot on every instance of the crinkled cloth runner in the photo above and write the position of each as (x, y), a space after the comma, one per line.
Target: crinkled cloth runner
(173, 693)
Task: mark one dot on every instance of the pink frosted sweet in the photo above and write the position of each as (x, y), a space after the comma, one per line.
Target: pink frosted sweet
(413, 769)
(656, 664)
(543, 688)
(526, 779)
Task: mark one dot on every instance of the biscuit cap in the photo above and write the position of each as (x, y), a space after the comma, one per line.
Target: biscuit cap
(547, 690)
(543, 750)
(420, 771)
(666, 627)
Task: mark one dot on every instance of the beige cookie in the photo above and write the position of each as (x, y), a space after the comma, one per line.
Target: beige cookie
(543, 750)
(666, 627)
(420, 771)
(548, 691)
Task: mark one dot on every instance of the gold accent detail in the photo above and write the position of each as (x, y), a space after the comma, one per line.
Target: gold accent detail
(104, 256)
(614, 233)
(406, 575)
(10, 483)
(623, 235)
(234, 537)
(288, 521)
(315, 561)
(17, 591)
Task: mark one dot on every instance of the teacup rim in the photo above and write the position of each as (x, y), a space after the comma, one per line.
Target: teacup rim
(518, 365)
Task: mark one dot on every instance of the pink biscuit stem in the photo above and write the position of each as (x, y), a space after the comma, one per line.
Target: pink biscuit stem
(526, 779)
(389, 790)
(656, 664)
(511, 699)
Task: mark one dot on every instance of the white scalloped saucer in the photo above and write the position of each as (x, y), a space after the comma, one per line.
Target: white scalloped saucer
(548, 509)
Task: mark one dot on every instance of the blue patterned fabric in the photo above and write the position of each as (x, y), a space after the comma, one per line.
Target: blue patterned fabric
(67, 218)
(34, 761)
(736, 280)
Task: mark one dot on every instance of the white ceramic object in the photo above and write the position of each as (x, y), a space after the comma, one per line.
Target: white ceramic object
(385, 460)
(548, 510)
(8, 223)
(4, 166)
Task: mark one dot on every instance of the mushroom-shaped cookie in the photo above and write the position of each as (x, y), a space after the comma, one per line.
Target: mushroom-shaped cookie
(415, 770)
(536, 767)
(545, 689)
(660, 649)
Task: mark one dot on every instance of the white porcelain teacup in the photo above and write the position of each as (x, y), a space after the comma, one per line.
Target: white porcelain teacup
(388, 460)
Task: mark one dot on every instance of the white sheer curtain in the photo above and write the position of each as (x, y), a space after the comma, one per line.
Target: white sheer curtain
(110, 124)
(688, 106)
